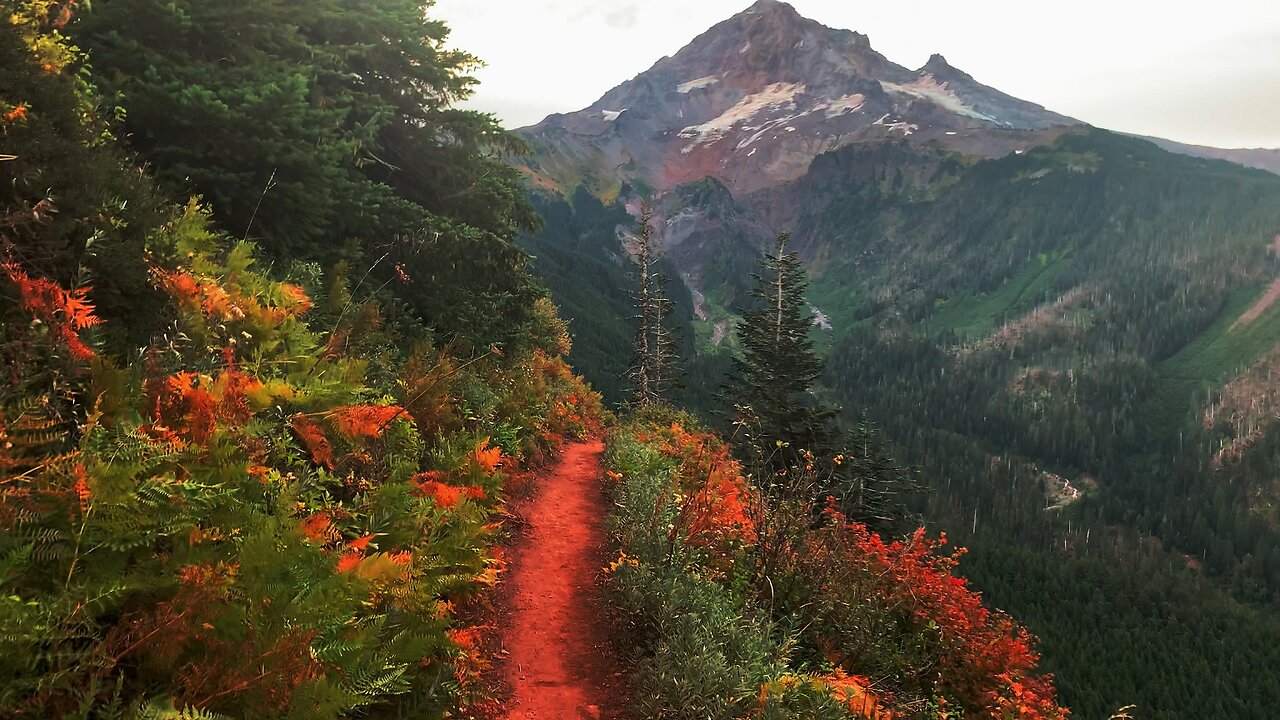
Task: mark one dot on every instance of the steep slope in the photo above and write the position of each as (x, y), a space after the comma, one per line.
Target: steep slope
(1048, 334)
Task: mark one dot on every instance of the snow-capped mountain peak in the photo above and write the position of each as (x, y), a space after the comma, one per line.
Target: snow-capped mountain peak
(755, 98)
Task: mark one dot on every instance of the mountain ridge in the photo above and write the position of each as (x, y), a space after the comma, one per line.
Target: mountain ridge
(1259, 158)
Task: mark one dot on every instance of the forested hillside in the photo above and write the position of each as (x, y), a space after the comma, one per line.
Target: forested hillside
(1057, 366)
(1071, 332)
(1075, 345)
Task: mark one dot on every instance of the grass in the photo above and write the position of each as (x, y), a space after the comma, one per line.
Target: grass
(704, 330)
(973, 316)
(1213, 358)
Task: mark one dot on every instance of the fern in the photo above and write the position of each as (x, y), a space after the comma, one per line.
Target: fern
(164, 709)
(171, 551)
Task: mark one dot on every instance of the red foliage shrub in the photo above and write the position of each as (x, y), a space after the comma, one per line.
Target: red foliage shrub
(486, 458)
(896, 611)
(856, 693)
(180, 409)
(985, 661)
(431, 484)
(316, 527)
(715, 512)
(295, 298)
(14, 115)
(350, 560)
(445, 496)
(469, 662)
(232, 391)
(210, 298)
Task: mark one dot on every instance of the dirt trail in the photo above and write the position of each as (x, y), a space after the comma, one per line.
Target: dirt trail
(558, 665)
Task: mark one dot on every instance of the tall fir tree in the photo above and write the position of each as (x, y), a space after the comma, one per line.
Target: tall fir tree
(785, 431)
(772, 382)
(72, 208)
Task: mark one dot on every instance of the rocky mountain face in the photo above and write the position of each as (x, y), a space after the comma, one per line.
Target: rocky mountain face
(754, 99)
(713, 134)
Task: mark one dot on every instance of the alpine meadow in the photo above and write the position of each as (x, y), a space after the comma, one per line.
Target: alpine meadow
(783, 381)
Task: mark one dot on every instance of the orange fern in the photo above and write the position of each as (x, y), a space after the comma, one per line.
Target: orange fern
(313, 440)
(63, 312)
(487, 458)
(365, 421)
(349, 561)
(180, 409)
(316, 527)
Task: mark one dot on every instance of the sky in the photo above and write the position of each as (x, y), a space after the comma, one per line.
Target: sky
(1203, 71)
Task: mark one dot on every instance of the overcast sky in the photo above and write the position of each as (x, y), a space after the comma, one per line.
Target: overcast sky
(1204, 71)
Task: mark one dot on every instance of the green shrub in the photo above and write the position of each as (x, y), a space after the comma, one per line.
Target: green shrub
(703, 652)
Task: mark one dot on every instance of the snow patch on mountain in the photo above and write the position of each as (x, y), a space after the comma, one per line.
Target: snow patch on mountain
(891, 125)
(928, 88)
(778, 96)
(759, 131)
(613, 115)
(699, 84)
(845, 105)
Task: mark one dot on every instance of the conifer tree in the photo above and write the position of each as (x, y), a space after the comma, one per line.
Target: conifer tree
(315, 127)
(784, 429)
(666, 343)
(653, 367)
(72, 209)
(773, 380)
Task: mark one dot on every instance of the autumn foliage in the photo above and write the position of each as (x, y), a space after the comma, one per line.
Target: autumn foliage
(64, 313)
(244, 486)
(241, 523)
(713, 498)
(888, 628)
(976, 659)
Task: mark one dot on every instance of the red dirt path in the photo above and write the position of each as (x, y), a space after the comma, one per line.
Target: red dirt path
(558, 665)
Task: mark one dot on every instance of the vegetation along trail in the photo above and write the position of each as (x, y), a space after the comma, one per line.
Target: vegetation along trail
(558, 665)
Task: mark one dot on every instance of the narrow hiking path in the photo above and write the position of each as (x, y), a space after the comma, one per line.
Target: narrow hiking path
(558, 665)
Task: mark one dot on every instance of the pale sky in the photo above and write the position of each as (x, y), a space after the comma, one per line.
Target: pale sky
(1202, 71)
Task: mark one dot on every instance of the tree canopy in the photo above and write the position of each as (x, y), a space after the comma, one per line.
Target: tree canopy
(316, 128)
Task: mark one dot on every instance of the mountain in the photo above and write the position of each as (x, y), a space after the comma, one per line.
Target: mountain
(1073, 333)
(754, 99)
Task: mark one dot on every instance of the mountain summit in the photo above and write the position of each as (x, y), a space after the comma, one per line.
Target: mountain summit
(754, 99)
